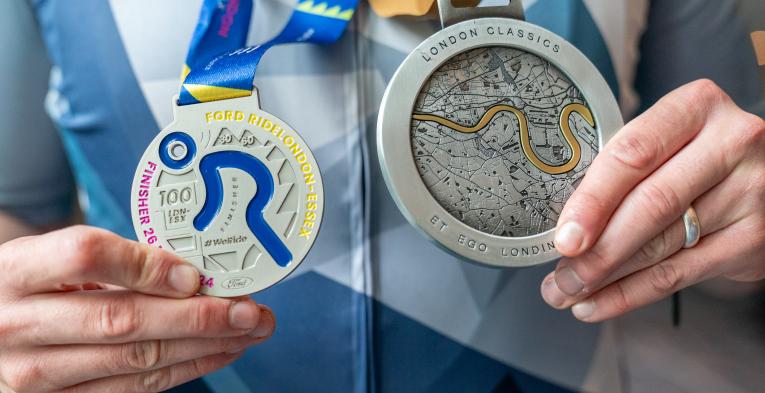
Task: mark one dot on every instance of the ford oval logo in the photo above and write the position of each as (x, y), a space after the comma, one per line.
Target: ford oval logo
(237, 283)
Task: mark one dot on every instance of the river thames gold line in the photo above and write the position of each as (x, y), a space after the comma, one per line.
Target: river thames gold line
(568, 135)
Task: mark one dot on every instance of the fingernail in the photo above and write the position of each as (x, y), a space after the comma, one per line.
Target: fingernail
(234, 351)
(183, 278)
(243, 315)
(569, 237)
(266, 324)
(583, 310)
(551, 294)
(568, 281)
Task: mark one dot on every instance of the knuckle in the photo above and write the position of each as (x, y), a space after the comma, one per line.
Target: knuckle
(695, 100)
(749, 234)
(619, 299)
(83, 244)
(201, 366)
(204, 315)
(23, 377)
(585, 202)
(753, 129)
(660, 203)
(10, 327)
(143, 356)
(705, 90)
(141, 272)
(85, 236)
(117, 319)
(656, 249)
(600, 263)
(635, 151)
(665, 277)
(154, 381)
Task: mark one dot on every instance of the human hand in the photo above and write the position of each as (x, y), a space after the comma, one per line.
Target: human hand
(63, 327)
(621, 232)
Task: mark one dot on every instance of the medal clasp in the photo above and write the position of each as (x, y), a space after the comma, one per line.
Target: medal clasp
(451, 15)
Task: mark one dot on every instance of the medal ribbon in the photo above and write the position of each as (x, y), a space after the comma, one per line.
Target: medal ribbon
(220, 67)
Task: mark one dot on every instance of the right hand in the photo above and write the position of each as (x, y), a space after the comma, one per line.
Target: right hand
(84, 310)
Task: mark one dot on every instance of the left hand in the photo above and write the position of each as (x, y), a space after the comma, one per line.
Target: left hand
(621, 232)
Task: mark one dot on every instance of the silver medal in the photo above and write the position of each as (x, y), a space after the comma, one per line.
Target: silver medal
(487, 128)
(234, 191)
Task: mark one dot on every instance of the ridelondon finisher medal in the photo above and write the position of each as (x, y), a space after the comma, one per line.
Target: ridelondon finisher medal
(227, 186)
(487, 128)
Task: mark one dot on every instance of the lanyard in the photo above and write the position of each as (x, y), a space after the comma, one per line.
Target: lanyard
(219, 66)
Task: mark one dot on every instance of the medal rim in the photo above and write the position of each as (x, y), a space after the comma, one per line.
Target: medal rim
(249, 104)
(394, 144)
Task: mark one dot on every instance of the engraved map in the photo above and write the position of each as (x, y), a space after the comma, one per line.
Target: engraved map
(501, 138)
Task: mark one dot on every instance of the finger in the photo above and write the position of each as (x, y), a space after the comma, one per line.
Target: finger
(714, 212)
(158, 380)
(50, 368)
(100, 317)
(78, 255)
(120, 359)
(635, 152)
(690, 266)
(653, 205)
(656, 250)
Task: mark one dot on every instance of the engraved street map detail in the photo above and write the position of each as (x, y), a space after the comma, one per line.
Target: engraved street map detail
(501, 139)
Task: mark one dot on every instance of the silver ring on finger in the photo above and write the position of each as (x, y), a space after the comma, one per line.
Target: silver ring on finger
(692, 228)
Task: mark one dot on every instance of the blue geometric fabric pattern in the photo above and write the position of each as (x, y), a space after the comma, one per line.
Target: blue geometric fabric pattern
(374, 308)
(333, 336)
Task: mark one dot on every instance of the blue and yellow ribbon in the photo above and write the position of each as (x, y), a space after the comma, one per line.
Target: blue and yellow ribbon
(220, 67)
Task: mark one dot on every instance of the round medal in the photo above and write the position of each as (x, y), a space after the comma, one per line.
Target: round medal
(231, 189)
(485, 131)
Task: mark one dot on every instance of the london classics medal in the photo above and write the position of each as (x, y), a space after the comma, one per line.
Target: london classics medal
(232, 189)
(487, 128)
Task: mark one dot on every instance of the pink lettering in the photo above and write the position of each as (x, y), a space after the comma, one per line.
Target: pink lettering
(227, 20)
(143, 195)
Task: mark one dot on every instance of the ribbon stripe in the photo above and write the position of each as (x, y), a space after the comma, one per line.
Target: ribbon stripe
(219, 67)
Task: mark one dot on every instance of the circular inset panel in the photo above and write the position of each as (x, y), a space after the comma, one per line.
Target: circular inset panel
(491, 142)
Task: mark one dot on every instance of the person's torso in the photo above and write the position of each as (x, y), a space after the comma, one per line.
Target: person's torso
(375, 307)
